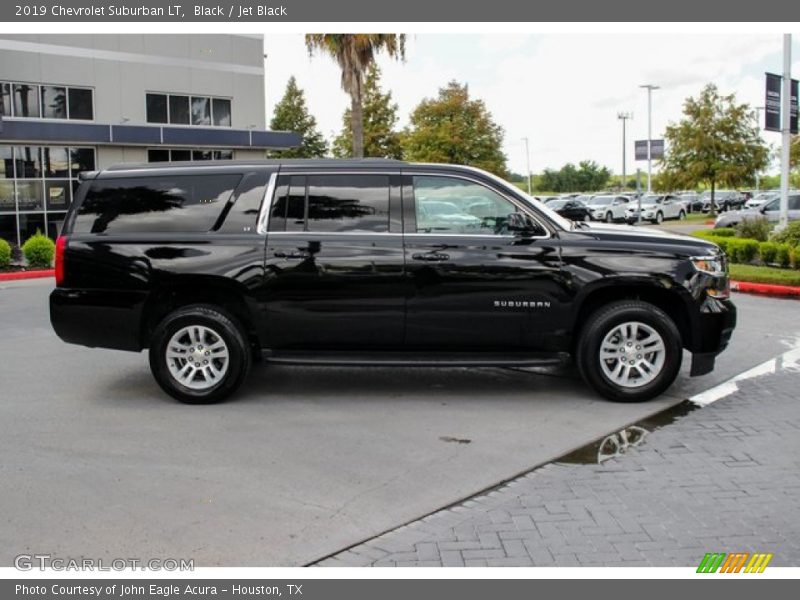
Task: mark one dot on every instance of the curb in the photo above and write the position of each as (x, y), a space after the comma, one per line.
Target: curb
(27, 275)
(766, 289)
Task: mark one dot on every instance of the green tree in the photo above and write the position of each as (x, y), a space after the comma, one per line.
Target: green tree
(588, 176)
(355, 52)
(794, 156)
(453, 128)
(380, 118)
(716, 142)
(291, 114)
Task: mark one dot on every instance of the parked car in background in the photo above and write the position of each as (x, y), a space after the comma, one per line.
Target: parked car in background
(687, 199)
(546, 199)
(574, 210)
(760, 199)
(608, 208)
(724, 199)
(656, 208)
(770, 211)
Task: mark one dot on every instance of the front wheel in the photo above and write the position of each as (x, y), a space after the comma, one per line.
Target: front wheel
(629, 351)
(609, 217)
(659, 219)
(199, 354)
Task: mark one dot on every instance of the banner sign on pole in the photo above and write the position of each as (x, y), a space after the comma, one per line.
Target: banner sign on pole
(793, 108)
(772, 103)
(656, 149)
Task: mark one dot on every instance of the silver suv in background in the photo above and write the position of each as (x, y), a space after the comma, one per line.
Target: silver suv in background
(761, 199)
(656, 208)
(608, 208)
(770, 211)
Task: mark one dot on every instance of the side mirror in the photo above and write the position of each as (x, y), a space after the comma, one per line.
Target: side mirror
(520, 224)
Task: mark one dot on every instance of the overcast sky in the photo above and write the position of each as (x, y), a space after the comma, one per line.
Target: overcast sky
(562, 91)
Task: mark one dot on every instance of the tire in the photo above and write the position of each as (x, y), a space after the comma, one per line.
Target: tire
(659, 218)
(599, 335)
(681, 215)
(609, 217)
(587, 218)
(214, 377)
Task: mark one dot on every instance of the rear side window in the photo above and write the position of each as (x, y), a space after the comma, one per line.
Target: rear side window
(332, 203)
(180, 203)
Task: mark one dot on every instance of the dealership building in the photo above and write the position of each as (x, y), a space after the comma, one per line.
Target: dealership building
(73, 103)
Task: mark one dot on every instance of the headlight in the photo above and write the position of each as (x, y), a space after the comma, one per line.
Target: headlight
(713, 265)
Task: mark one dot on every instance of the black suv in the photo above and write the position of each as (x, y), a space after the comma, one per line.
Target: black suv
(215, 265)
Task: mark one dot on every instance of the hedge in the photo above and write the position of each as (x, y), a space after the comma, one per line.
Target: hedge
(744, 251)
(5, 253)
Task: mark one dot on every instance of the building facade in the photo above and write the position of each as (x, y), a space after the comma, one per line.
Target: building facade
(73, 103)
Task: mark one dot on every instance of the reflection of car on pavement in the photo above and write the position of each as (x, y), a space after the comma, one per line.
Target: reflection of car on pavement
(608, 208)
(574, 210)
(656, 208)
(770, 211)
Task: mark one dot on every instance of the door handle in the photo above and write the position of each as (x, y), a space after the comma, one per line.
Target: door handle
(431, 257)
(295, 255)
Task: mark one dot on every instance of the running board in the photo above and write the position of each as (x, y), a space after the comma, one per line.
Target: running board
(414, 359)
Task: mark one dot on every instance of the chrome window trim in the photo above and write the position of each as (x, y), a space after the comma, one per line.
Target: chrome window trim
(523, 208)
(266, 203)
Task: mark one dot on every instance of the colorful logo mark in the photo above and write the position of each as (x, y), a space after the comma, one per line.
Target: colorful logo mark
(738, 562)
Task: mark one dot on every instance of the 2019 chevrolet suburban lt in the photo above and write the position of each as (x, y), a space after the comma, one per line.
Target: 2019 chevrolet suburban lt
(216, 265)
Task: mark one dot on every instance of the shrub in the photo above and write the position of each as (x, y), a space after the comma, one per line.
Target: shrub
(39, 250)
(722, 232)
(741, 250)
(782, 256)
(5, 253)
(794, 256)
(790, 235)
(754, 229)
(767, 251)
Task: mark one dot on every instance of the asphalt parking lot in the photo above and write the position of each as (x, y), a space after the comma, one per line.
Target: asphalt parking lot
(97, 462)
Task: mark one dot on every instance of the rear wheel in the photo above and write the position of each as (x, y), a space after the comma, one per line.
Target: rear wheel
(681, 216)
(629, 351)
(199, 354)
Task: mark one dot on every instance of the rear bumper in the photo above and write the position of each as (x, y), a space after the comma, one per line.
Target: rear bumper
(98, 318)
(716, 322)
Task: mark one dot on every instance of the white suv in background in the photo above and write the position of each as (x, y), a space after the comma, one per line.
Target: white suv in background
(607, 208)
(656, 208)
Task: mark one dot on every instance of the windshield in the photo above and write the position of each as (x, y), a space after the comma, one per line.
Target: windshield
(556, 204)
(600, 200)
(652, 199)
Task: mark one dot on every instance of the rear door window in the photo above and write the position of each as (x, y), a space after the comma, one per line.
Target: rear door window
(164, 203)
(332, 203)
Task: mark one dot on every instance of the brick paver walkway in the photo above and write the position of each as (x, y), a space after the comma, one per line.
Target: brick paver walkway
(723, 478)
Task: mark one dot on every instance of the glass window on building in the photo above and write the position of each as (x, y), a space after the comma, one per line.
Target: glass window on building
(37, 186)
(28, 161)
(221, 108)
(26, 100)
(157, 155)
(5, 99)
(56, 161)
(201, 111)
(81, 104)
(54, 102)
(179, 110)
(157, 108)
(179, 154)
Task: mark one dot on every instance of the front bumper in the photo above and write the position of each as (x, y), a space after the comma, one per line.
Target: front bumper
(713, 331)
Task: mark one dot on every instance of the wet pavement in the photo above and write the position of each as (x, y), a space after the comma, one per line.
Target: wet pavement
(662, 491)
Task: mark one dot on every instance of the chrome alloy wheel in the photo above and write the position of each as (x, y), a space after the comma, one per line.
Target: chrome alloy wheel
(632, 354)
(197, 357)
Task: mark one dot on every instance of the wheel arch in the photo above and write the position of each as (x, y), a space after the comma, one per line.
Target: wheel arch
(673, 301)
(185, 290)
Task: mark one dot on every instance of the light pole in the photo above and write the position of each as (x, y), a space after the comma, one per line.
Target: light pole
(624, 116)
(785, 129)
(649, 87)
(528, 163)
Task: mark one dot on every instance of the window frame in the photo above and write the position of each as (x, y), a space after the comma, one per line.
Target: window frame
(190, 97)
(39, 91)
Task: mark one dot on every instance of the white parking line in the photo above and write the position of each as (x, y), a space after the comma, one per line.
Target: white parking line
(788, 361)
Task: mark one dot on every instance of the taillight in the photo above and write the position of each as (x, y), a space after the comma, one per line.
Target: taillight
(61, 246)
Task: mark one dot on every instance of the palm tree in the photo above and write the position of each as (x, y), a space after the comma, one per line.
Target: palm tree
(355, 52)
